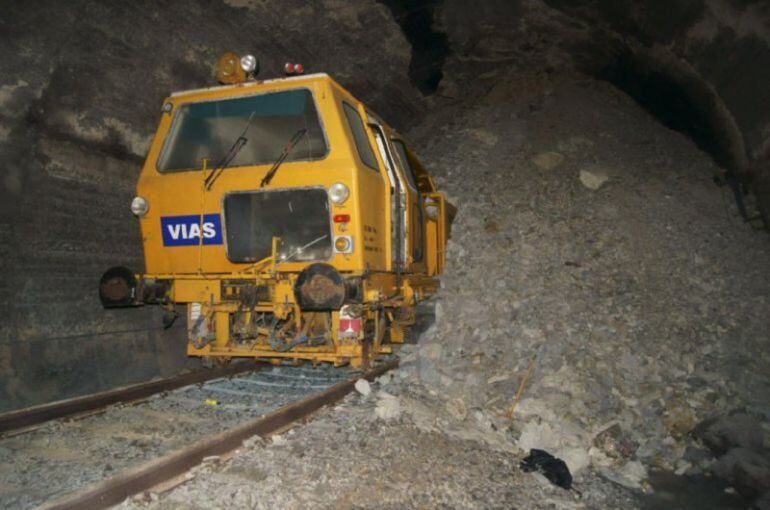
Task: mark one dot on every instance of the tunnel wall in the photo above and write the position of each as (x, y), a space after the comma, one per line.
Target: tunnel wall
(713, 55)
(80, 91)
(725, 43)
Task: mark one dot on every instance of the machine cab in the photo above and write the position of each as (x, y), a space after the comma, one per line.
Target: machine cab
(290, 219)
(299, 159)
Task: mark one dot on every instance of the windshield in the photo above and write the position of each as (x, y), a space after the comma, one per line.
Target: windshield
(300, 217)
(267, 122)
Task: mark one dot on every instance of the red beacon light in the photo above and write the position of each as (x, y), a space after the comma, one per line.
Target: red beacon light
(341, 218)
(289, 69)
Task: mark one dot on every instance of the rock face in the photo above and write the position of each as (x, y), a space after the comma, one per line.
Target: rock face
(80, 93)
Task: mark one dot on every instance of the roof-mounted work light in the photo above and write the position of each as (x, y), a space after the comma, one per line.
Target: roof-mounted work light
(234, 69)
(250, 65)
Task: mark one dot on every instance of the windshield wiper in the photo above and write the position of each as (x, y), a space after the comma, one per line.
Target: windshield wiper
(284, 154)
(302, 248)
(229, 156)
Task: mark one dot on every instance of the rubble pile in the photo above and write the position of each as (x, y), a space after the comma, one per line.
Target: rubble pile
(592, 247)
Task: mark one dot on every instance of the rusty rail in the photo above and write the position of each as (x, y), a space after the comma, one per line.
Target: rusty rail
(143, 477)
(36, 415)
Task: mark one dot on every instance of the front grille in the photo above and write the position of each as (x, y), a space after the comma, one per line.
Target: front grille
(299, 217)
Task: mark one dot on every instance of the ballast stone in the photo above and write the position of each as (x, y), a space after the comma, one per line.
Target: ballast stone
(431, 350)
(593, 178)
(631, 475)
(548, 160)
(388, 407)
(363, 387)
(456, 407)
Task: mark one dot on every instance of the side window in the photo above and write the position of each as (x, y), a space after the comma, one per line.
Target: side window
(401, 150)
(359, 135)
(409, 171)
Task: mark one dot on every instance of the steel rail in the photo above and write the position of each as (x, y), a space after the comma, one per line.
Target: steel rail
(30, 416)
(141, 478)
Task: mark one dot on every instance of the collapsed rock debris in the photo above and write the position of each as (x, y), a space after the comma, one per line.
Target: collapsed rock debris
(614, 260)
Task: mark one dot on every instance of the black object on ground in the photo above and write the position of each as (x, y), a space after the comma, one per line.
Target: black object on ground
(553, 468)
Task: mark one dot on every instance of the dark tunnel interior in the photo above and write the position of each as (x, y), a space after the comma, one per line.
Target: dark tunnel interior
(669, 101)
(429, 46)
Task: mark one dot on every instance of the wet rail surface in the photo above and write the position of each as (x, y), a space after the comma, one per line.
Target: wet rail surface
(66, 455)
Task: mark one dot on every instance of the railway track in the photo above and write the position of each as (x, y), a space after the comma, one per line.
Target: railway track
(99, 459)
(20, 421)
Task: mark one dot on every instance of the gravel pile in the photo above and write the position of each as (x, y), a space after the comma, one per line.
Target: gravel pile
(354, 457)
(592, 246)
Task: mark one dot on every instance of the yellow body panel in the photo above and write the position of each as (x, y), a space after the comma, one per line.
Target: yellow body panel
(195, 291)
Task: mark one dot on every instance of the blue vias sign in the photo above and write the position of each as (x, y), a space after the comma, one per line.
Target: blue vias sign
(187, 230)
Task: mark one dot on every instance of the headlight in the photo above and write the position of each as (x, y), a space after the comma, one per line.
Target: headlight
(338, 193)
(139, 206)
(249, 63)
(343, 244)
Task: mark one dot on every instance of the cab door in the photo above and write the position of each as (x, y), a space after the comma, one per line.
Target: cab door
(415, 215)
(399, 199)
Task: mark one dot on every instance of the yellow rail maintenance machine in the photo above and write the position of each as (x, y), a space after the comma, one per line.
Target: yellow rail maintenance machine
(292, 221)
